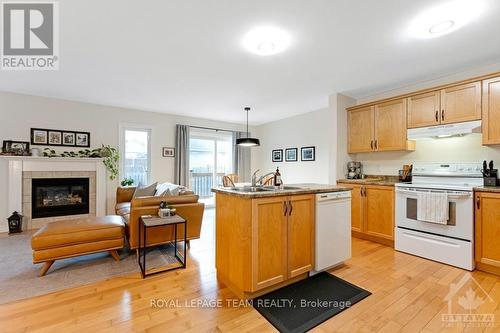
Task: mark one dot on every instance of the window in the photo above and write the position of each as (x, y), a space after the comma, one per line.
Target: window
(135, 149)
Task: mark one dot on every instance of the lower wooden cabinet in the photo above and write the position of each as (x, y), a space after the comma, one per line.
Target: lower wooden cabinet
(487, 232)
(282, 239)
(372, 213)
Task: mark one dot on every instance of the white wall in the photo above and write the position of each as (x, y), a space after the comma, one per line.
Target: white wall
(19, 113)
(310, 129)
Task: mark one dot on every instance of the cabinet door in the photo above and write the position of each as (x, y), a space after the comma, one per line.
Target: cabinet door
(379, 211)
(390, 126)
(491, 111)
(301, 225)
(424, 110)
(269, 242)
(356, 208)
(487, 233)
(461, 103)
(360, 128)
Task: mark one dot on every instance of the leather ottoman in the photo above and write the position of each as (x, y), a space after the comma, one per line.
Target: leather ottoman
(77, 237)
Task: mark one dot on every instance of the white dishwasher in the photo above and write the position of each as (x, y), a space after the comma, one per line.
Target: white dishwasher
(333, 229)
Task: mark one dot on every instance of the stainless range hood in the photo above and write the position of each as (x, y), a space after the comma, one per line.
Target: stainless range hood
(443, 131)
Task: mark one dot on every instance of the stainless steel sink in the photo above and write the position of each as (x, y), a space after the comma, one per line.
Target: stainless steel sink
(251, 189)
(272, 188)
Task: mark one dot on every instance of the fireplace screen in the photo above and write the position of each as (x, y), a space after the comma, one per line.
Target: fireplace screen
(59, 197)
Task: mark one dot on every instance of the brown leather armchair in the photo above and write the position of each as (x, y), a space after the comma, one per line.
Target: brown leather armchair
(131, 209)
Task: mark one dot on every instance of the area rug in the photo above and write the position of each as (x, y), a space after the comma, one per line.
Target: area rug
(19, 276)
(303, 305)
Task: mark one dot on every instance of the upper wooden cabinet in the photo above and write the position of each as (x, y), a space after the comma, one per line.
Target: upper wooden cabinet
(390, 126)
(378, 128)
(361, 130)
(461, 103)
(446, 106)
(491, 111)
(424, 109)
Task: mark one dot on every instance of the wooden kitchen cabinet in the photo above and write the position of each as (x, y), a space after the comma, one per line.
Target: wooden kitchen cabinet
(379, 211)
(382, 127)
(301, 234)
(269, 242)
(491, 111)
(487, 232)
(282, 238)
(461, 103)
(424, 109)
(361, 130)
(372, 213)
(356, 208)
(390, 126)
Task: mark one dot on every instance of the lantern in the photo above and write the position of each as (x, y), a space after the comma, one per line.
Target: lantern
(15, 223)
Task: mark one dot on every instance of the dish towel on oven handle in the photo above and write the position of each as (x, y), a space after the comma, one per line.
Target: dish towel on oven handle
(433, 207)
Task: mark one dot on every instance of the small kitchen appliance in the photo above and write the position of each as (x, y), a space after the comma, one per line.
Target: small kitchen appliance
(451, 242)
(354, 170)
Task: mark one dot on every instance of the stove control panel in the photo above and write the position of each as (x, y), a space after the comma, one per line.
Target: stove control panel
(467, 169)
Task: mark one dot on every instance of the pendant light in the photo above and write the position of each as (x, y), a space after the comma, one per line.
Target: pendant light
(248, 142)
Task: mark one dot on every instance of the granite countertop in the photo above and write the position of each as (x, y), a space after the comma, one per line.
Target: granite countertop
(372, 180)
(490, 189)
(300, 189)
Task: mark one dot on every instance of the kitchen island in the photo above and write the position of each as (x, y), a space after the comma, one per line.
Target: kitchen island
(265, 236)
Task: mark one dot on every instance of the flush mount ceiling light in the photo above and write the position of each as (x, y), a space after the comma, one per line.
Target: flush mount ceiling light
(248, 142)
(446, 18)
(266, 41)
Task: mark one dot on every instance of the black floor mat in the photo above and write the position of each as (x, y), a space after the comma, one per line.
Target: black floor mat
(303, 305)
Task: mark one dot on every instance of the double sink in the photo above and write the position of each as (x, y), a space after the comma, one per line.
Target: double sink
(252, 189)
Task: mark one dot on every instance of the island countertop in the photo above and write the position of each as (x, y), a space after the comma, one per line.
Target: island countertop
(303, 188)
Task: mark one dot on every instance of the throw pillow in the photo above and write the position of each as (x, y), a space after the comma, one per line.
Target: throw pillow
(146, 191)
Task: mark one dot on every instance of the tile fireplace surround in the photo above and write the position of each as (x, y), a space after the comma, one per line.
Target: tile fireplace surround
(17, 173)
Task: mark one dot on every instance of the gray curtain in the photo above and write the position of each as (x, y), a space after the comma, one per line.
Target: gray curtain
(182, 155)
(241, 158)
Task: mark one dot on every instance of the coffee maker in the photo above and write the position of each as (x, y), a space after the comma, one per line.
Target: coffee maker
(354, 170)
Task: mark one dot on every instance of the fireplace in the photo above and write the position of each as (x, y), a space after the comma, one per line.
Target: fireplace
(59, 196)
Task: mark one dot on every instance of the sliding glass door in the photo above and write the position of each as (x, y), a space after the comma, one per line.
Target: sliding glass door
(210, 158)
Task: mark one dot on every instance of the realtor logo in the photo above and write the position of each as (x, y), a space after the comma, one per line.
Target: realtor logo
(30, 36)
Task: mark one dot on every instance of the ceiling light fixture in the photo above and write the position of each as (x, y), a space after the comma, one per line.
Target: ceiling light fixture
(248, 142)
(265, 41)
(446, 18)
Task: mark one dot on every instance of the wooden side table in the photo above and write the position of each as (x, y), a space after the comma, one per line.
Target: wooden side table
(154, 222)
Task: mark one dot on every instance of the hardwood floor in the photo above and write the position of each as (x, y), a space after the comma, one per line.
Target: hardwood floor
(408, 296)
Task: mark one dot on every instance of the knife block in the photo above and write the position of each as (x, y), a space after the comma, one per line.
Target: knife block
(492, 180)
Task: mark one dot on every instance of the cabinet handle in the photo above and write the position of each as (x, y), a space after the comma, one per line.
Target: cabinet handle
(437, 116)
(376, 144)
(478, 202)
(362, 191)
(371, 144)
(291, 208)
(442, 114)
(285, 207)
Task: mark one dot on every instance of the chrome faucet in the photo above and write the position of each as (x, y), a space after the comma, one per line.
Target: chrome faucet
(256, 181)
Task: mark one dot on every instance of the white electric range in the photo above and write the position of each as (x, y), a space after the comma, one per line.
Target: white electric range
(452, 243)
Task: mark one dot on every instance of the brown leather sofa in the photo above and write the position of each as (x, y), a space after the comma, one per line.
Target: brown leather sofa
(131, 209)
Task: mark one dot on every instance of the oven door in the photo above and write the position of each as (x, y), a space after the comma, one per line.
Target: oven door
(460, 224)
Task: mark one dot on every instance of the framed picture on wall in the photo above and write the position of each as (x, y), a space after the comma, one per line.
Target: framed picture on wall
(168, 152)
(82, 139)
(307, 153)
(39, 136)
(55, 138)
(291, 154)
(277, 155)
(68, 139)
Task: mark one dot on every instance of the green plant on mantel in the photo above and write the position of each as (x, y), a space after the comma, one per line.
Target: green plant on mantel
(109, 155)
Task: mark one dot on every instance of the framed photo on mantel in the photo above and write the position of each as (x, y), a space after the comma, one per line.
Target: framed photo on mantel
(53, 137)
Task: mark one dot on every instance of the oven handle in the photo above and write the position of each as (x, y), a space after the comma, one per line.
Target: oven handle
(451, 194)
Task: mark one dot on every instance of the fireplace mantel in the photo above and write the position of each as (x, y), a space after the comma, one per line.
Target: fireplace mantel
(11, 174)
